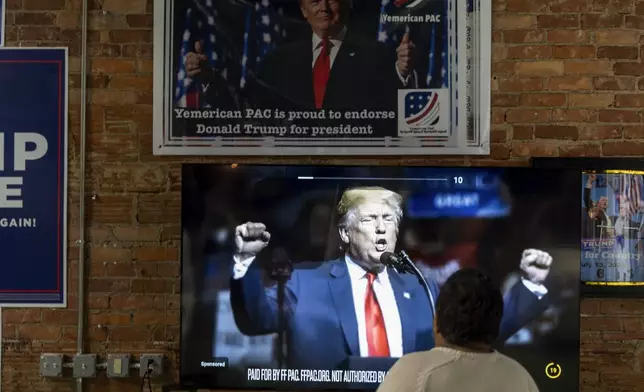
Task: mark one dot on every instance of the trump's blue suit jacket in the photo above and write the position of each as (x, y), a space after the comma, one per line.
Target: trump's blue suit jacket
(322, 330)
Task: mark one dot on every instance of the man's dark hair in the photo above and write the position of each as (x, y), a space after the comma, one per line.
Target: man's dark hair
(469, 309)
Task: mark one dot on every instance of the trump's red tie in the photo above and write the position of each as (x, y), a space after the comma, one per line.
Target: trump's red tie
(375, 322)
(321, 71)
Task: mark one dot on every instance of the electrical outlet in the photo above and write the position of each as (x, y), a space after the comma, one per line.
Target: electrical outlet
(156, 362)
(118, 365)
(51, 365)
(84, 366)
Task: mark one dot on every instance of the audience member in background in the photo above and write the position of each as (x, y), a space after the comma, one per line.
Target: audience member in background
(468, 315)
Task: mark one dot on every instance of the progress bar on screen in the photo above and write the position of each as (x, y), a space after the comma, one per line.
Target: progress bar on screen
(372, 178)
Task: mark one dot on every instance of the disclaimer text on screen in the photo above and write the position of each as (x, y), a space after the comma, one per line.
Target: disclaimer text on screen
(316, 375)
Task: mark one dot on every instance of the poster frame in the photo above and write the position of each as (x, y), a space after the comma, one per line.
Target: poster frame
(479, 144)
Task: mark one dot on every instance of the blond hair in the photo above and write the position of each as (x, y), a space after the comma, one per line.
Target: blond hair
(352, 198)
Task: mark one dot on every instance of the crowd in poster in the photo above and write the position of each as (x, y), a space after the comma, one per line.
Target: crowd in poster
(338, 76)
(612, 227)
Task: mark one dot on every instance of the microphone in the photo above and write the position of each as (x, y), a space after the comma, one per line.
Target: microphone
(402, 264)
(399, 262)
(394, 261)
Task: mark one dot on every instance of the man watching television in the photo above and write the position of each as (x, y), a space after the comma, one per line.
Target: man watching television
(354, 306)
(468, 317)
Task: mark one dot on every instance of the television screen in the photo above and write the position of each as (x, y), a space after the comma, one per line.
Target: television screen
(274, 293)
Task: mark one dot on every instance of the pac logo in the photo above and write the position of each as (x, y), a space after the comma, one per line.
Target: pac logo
(423, 112)
(407, 3)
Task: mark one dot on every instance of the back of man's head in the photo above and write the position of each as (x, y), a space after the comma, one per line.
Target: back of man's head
(469, 309)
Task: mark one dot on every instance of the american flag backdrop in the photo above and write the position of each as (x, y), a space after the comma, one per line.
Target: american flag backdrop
(630, 189)
(234, 57)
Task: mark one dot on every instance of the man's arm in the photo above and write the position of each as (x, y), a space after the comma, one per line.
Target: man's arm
(255, 307)
(521, 306)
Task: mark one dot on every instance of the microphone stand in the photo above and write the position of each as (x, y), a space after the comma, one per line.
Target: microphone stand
(403, 265)
(281, 273)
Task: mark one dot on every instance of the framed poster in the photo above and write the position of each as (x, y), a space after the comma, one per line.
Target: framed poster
(611, 204)
(33, 177)
(335, 77)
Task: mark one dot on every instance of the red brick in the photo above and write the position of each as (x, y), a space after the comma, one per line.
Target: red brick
(34, 18)
(574, 52)
(524, 6)
(507, 100)
(614, 83)
(574, 115)
(557, 21)
(59, 317)
(613, 6)
(530, 52)
(618, 52)
(111, 209)
(629, 100)
(569, 6)
(634, 132)
(568, 36)
(520, 84)
(588, 67)
(591, 21)
(579, 150)
(634, 22)
(556, 132)
(619, 116)
(36, 332)
(601, 324)
(629, 68)
(571, 82)
(37, 5)
(543, 99)
(600, 132)
(527, 115)
(625, 148)
(534, 149)
(156, 254)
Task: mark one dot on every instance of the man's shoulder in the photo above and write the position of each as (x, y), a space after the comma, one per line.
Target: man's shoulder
(315, 268)
(512, 365)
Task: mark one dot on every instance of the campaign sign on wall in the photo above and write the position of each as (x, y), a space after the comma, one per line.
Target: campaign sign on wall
(33, 176)
(344, 77)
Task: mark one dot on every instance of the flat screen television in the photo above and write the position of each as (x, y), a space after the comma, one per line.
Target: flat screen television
(233, 307)
(612, 218)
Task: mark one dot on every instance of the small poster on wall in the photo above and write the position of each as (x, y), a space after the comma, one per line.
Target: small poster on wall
(612, 227)
(342, 77)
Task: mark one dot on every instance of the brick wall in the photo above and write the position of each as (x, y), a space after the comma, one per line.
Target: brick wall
(567, 82)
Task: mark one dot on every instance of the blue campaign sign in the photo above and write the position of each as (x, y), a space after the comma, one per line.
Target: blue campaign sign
(33, 177)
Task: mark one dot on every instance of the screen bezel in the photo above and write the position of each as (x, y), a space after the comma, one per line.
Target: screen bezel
(193, 384)
(585, 163)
